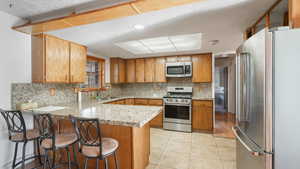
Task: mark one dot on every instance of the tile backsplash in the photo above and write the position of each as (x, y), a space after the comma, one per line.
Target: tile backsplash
(203, 90)
(64, 93)
(40, 93)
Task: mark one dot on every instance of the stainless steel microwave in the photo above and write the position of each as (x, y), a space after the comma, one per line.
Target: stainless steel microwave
(179, 69)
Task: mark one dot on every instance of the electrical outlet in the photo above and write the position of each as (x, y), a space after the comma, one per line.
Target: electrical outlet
(52, 91)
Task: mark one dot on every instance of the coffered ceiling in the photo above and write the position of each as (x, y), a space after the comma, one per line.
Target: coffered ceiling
(221, 20)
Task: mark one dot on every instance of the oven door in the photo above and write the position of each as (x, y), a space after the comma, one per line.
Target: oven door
(177, 113)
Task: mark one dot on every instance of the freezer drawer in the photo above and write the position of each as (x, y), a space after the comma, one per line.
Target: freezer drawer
(249, 154)
(246, 160)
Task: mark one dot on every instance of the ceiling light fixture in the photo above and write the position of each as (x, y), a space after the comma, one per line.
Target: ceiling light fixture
(164, 44)
(213, 42)
(139, 27)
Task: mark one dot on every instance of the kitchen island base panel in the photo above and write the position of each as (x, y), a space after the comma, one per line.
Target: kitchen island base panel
(134, 146)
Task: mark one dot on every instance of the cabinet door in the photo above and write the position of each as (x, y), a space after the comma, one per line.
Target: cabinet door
(184, 59)
(140, 70)
(155, 102)
(129, 101)
(57, 58)
(171, 59)
(202, 115)
(160, 75)
(150, 69)
(114, 70)
(130, 71)
(122, 72)
(202, 68)
(77, 63)
(157, 121)
(141, 101)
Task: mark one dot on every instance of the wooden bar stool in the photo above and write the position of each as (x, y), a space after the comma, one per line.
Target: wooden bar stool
(91, 144)
(51, 141)
(18, 133)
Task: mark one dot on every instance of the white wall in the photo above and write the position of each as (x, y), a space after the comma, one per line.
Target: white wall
(15, 67)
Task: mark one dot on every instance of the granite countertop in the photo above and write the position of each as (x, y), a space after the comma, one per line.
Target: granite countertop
(148, 97)
(124, 115)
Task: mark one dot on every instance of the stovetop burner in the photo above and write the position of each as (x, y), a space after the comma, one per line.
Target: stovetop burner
(179, 92)
(179, 96)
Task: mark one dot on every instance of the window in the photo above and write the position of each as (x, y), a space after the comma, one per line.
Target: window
(95, 73)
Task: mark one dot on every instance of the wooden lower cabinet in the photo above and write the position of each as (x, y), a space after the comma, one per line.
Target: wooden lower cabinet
(129, 101)
(140, 101)
(158, 120)
(202, 112)
(134, 146)
(202, 119)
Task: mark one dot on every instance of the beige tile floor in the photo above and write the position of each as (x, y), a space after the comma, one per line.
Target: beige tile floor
(176, 150)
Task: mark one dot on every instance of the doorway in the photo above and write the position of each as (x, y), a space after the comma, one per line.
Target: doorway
(224, 97)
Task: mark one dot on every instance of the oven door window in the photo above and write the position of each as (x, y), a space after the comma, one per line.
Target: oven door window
(177, 112)
(175, 70)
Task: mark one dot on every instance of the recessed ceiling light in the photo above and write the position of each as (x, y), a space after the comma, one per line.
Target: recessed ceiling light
(139, 27)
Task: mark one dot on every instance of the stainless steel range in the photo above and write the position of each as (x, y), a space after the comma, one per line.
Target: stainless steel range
(178, 109)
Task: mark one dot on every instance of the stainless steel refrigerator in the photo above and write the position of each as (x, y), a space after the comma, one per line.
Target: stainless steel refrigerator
(268, 100)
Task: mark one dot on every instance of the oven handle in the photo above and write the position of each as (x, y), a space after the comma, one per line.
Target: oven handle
(175, 104)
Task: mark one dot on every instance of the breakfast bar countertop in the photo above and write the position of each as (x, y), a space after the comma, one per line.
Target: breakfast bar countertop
(112, 114)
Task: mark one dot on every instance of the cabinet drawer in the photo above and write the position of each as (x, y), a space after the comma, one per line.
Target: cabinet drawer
(140, 101)
(203, 103)
(155, 102)
(129, 101)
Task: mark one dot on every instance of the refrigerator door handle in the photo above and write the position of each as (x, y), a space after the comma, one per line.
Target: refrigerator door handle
(252, 151)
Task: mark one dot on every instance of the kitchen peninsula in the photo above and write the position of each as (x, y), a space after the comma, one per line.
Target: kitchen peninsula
(126, 123)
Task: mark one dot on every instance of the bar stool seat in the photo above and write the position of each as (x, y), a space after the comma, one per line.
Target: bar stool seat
(109, 146)
(92, 144)
(19, 134)
(52, 141)
(61, 141)
(32, 134)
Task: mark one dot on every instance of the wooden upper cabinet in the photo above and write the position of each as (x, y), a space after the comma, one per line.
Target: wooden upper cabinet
(202, 68)
(160, 75)
(130, 71)
(114, 70)
(140, 70)
(149, 69)
(57, 60)
(171, 59)
(78, 59)
(184, 59)
(202, 115)
(122, 71)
